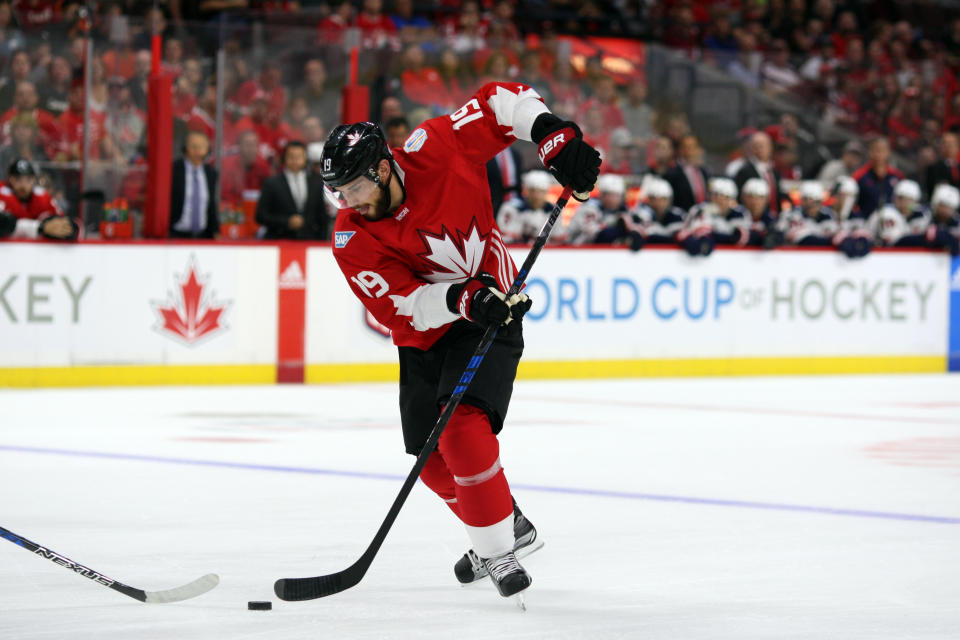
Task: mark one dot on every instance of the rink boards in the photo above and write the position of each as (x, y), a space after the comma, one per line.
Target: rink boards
(154, 313)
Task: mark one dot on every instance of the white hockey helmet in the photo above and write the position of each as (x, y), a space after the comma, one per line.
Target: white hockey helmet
(946, 195)
(658, 188)
(847, 186)
(611, 183)
(537, 179)
(314, 152)
(811, 190)
(724, 187)
(756, 187)
(907, 189)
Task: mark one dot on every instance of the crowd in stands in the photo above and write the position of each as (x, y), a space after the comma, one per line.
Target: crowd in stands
(860, 65)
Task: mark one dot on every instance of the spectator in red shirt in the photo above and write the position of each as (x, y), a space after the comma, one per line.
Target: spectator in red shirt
(244, 170)
(259, 122)
(184, 98)
(330, 29)
(172, 56)
(35, 15)
(453, 74)
(376, 28)
(25, 101)
(421, 84)
(270, 82)
(297, 113)
(905, 122)
(202, 116)
(72, 130)
(607, 101)
(567, 91)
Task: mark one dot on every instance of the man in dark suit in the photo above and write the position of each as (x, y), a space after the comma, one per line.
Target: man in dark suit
(503, 174)
(688, 178)
(193, 188)
(946, 169)
(291, 203)
(759, 164)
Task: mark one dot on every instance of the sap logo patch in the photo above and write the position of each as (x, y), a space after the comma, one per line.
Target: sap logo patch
(341, 238)
(415, 141)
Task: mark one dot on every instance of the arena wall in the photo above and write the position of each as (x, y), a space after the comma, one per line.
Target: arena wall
(156, 313)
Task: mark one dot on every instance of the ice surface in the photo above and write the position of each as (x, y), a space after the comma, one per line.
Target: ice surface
(680, 509)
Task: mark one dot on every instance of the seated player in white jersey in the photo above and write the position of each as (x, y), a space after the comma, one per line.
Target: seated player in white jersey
(417, 243)
(716, 215)
(903, 222)
(759, 226)
(599, 220)
(656, 221)
(811, 223)
(943, 231)
(520, 219)
(854, 237)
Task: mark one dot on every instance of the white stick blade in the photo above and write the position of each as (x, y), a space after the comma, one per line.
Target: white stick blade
(196, 588)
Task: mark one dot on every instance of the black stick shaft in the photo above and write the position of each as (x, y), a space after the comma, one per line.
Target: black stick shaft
(318, 587)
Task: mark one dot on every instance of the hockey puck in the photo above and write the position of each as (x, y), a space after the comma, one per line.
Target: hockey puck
(257, 605)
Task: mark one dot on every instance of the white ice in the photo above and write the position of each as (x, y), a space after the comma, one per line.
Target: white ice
(677, 509)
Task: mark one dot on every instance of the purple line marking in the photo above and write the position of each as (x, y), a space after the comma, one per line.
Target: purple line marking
(599, 493)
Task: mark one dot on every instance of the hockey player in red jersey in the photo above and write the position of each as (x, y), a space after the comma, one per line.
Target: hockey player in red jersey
(417, 243)
(27, 210)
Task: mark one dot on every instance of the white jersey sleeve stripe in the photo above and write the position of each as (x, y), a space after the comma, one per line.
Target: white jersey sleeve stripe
(426, 306)
(517, 110)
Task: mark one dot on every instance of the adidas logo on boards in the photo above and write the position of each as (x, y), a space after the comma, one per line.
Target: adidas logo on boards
(292, 277)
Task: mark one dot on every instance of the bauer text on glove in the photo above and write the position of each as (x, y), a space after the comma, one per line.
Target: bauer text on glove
(573, 162)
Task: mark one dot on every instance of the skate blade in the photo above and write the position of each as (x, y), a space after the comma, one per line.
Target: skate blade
(521, 601)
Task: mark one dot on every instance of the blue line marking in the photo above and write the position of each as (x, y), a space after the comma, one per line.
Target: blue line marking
(599, 493)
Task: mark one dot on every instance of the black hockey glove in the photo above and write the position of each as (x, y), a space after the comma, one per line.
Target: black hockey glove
(74, 229)
(481, 302)
(698, 245)
(8, 223)
(635, 240)
(573, 162)
(773, 239)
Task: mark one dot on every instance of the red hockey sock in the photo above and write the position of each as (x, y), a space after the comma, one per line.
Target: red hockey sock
(472, 454)
(436, 476)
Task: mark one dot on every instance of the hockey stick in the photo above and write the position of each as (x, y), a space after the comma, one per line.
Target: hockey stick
(187, 591)
(320, 586)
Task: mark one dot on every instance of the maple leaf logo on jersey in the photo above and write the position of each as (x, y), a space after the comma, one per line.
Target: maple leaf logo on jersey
(456, 258)
(193, 316)
(353, 138)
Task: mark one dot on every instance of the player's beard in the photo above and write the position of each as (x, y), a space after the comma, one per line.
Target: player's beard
(378, 209)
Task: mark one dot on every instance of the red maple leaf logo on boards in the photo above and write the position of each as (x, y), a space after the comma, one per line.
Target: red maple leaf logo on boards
(192, 317)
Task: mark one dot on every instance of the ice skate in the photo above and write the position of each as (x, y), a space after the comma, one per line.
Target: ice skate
(470, 567)
(509, 577)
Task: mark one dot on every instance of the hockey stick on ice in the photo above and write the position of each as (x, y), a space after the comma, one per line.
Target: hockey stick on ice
(320, 586)
(187, 591)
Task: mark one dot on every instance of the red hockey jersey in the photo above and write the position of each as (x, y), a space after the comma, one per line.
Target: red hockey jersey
(40, 205)
(401, 267)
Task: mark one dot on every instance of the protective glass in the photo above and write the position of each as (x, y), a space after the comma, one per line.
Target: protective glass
(350, 194)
